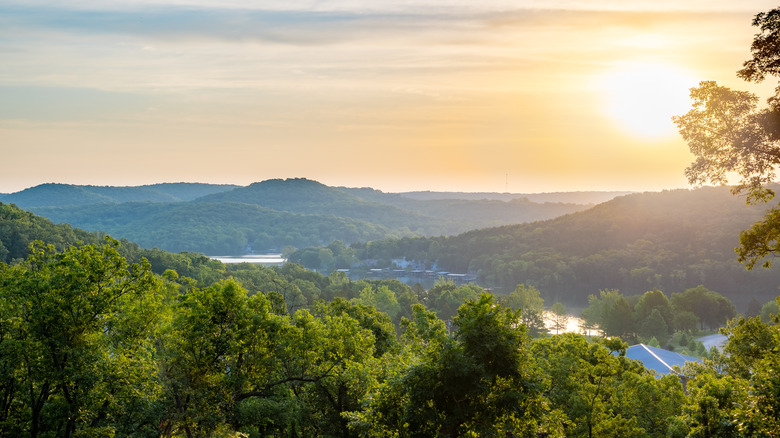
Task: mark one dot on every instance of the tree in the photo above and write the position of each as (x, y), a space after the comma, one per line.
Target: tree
(767, 310)
(686, 321)
(710, 410)
(478, 383)
(217, 344)
(601, 392)
(230, 362)
(709, 306)
(382, 298)
(75, 343)
(728, 134)
(530, 303)
(611, 312)
(559, 317)
(654, 326)
(737, 394)
(654, 300)
(445, 297)
(424, 330)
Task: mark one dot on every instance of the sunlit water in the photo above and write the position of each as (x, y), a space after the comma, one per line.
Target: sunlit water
(573, 325)
(261, 259)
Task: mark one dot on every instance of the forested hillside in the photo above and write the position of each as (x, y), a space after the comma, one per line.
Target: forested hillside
(110, 339)
(216, 228)
(671, 240)
(590, 197)
(266, 216)
(19, 228)
(310, 197)
(481, 210)
(58, 195)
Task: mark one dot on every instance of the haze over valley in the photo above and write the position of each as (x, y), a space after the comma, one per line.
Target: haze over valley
(633, 242)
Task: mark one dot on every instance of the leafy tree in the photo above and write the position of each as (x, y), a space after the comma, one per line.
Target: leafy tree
(200, 361)
(769, 309)
(654, 326)
(654, 300)
(529, 302)
(383, 299)
(708, 411)
(232, 362)
(712, 308)
(423, 331)
(75, 343)
(686, 321)
(728, 134)
(353, 343)
(369, 318)
(445, 297)
(479, 383)
(611, 312)
(750, 341)
(600, 392)
(752, 354)
(737, 394)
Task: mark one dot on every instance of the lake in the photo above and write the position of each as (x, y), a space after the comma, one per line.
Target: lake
(261, 259)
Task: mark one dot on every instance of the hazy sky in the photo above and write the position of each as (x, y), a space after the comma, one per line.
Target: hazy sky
(528, 96)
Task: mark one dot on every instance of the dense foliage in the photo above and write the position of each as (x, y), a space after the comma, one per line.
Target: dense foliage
(730, 136)
(60, 195)
(93, 346)
(215, 228)
(654, 318)
(671, 240)
(266, 216)
(18, 229)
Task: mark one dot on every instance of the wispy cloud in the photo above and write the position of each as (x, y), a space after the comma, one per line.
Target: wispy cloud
(181, 22)
(57, 104)
(416, 6)
(304, 22)
(492, 84)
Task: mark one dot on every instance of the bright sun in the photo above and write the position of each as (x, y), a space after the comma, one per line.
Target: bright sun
(642, 98)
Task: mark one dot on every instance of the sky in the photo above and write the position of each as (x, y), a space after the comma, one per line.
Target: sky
(497, 95)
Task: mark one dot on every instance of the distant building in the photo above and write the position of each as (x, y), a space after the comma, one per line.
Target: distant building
(657, 359)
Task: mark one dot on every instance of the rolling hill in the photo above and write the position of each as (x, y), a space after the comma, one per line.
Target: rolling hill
(266, 216)
(670, 240)
(59, 195)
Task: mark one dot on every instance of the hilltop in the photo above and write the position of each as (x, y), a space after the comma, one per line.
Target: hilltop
(671, 240)
(268, 215)
(60, 195)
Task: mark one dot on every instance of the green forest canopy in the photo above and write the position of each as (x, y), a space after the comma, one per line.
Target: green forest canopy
(671, 240)
(91, 345)
(267, 216)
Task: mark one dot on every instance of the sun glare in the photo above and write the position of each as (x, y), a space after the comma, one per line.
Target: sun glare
(642, 98)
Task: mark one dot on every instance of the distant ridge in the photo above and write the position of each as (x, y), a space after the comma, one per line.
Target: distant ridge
(304, 196)
(579, 197)
(267, 215)
(670, 240)
(60, 195)
(184, 191)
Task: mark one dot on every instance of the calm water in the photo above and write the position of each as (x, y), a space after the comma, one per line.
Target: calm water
(262, 259)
